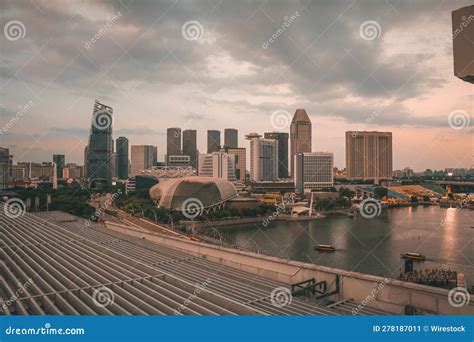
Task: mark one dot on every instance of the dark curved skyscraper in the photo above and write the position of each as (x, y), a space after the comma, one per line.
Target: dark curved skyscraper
(99, 158)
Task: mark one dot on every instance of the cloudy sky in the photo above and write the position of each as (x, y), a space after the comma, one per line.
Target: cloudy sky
(212, 64)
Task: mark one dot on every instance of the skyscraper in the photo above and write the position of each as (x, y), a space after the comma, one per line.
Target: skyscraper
(213, 141)
(263, 158)
(60, 160)
(240, 154)
(173, 142)
(5, 167)
(122, 157)
(282, 139)
(190, 145)
(231, 138)
(463, 38)
(99, 156)
(217, 165)
(313, 170)
(143, 157)
(300, 136)
(114, 160)
(369, 155)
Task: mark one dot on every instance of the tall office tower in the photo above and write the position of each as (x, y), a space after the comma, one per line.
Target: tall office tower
(313, 170)
(114, 164)
(143, 157)
(86, 156)
(173, 142)
(5, 167)
(217, 165)
(60, 161)
(213, 141)
(99, 157)
(368, 155)
(463, 46)
(282, 139)
(190, 146)
(263, 158)
(300, 136)
(122, 157)
(231, 138)
(240, 154)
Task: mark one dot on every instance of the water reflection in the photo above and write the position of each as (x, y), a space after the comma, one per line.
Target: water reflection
(372, 245)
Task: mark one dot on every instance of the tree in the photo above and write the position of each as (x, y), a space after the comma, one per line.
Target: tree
(346, 192)
(380, 192)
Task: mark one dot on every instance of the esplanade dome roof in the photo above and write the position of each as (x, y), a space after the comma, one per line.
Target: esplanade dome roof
(209, 191)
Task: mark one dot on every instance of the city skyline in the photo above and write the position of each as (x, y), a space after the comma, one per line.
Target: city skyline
(363, 91)
(237, 158)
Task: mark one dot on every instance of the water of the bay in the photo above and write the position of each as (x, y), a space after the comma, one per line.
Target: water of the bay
(444, 236)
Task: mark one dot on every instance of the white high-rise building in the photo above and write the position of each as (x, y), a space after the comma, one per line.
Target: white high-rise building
(217, 165)
(313, 170)
(263, 158)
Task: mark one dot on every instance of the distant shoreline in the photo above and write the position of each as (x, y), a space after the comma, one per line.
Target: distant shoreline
(331, 213)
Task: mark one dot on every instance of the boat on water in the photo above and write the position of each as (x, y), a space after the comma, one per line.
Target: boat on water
(325, 248)
(413, 256)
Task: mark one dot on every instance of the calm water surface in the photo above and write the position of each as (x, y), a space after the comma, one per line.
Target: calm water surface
(371, 246)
